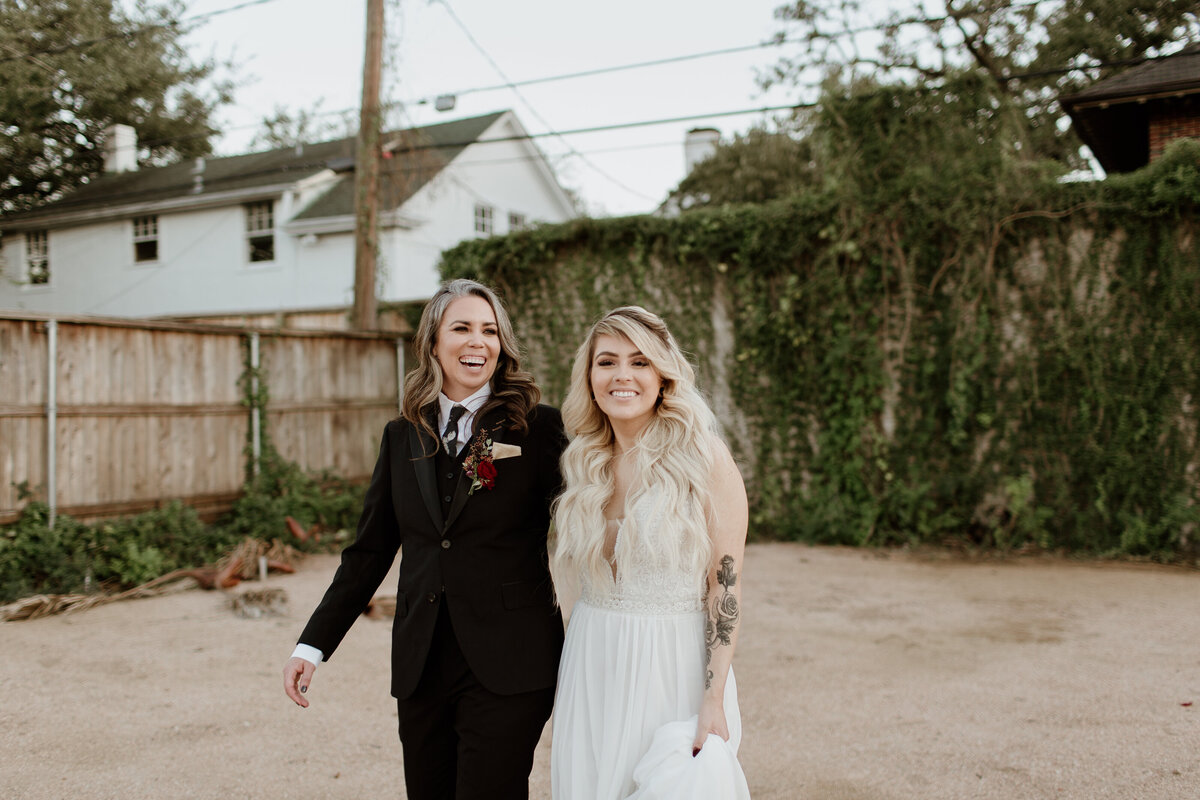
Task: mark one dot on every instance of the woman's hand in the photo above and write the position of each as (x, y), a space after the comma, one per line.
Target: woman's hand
(297, 675)
(712, 720)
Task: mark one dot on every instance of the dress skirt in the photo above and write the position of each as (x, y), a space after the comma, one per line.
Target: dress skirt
(626, 676)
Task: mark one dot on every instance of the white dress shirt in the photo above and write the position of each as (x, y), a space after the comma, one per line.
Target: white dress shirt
(466, 423)
(466, 427)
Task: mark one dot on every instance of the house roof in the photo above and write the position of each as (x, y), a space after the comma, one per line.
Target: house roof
(1112, 116)
(1177, 73)
(411, 159)
(420, 153)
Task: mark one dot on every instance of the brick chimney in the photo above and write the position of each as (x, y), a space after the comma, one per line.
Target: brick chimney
(120, 149)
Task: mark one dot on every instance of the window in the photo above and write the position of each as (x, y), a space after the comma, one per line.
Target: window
(483, 219)
(37, 257)
(515, 221)
(260, 231)
(145, 239)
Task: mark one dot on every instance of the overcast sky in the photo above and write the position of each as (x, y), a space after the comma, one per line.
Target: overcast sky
(298, 52)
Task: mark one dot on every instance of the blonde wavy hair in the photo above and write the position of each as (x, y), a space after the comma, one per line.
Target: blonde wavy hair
(512, 387)
(673, 460)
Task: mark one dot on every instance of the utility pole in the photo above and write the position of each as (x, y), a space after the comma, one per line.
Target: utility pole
(366, 174)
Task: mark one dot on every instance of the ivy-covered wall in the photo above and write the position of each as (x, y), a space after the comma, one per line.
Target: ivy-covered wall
(1031, 380)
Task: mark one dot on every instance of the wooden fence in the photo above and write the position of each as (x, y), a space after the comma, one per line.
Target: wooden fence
(101, 417)
(334, 318)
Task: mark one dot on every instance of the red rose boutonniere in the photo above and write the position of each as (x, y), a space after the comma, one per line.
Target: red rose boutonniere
(479, 464)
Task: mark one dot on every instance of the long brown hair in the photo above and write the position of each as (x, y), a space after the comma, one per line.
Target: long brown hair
(512, 387)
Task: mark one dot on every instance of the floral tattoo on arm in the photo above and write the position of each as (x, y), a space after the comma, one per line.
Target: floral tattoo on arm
(722, 617)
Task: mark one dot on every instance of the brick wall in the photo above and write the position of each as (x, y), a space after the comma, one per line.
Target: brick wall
(1172, 120)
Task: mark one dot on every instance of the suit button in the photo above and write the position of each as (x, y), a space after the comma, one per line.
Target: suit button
(449, 476)
(431, 597)
(448, 498)
(445, 544)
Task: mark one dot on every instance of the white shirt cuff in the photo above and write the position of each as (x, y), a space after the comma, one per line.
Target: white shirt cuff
(309, 653)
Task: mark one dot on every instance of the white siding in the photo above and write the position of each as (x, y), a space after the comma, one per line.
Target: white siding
(203, 265)
(503, 175)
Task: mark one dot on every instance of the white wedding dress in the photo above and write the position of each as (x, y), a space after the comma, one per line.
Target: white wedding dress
(629, 689)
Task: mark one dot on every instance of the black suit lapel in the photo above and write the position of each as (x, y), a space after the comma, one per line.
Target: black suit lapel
(423, 448)
(483, 427)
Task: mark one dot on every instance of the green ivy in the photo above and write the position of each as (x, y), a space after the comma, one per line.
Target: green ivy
(904, 355)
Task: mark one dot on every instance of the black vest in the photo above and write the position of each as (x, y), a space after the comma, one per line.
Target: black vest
(448, 471)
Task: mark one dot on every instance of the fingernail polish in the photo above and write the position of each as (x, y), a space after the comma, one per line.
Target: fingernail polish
(303, 689)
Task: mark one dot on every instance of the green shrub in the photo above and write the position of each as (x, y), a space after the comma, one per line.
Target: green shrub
(120, 553)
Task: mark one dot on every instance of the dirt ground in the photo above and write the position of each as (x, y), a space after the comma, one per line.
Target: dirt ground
(863, 676)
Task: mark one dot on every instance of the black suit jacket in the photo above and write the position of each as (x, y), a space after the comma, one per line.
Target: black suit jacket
(486, 560)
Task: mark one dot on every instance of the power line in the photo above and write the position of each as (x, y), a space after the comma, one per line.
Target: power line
(210, 14)
(423, 146)
(774, 42)
(1010, 77)
(964, 14)
(565, 76)
(552, 78)
(532, 110)
(663, 61)
(646, 122)
(532, 81)
(587, 73)
(653, 122)
(129, 34)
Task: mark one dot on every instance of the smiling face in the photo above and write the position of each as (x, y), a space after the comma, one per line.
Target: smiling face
(624, 382)
(467, 347)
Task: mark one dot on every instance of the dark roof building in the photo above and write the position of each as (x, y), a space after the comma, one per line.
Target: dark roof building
(1129, 118)
(420, 154)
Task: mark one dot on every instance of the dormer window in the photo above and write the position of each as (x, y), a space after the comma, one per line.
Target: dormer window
(260, 231)
(145, 239)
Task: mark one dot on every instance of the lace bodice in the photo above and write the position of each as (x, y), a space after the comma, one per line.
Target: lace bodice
(650, 584)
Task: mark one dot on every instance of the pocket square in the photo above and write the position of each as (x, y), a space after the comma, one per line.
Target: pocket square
(501, 450)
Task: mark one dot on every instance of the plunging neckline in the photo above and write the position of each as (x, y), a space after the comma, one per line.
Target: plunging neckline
(618, 523)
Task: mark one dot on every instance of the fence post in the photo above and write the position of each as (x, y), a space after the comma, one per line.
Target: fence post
(51, 420)
(255, 418)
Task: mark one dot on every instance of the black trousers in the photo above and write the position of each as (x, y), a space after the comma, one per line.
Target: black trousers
(460, 741)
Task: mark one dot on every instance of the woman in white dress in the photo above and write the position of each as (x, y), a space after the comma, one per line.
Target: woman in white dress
(650, 535)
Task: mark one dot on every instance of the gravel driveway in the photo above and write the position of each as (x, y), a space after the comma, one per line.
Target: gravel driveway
(864, 675)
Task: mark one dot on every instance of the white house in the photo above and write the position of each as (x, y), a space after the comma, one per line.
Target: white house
(271, 231)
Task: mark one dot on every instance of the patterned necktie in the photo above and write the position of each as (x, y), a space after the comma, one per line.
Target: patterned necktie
(450, 435)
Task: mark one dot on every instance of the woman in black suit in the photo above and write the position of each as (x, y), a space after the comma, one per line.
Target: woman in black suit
(464, 483)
